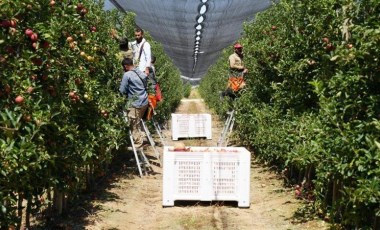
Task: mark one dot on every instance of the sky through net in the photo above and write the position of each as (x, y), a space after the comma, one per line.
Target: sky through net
(193, 32)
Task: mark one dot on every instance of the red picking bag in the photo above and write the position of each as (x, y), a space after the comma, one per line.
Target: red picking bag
(158, 93)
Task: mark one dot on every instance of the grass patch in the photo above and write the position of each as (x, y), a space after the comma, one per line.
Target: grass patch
(194, 221)
(193, 109)
(194, 94)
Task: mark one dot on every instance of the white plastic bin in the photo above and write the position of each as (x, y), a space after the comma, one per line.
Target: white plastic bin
(191, 125)
(206, 174)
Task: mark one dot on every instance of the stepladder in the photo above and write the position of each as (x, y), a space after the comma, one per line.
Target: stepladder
(227, 129)
(156, 125)
(159, 131)
(151, 141)
(143, 165)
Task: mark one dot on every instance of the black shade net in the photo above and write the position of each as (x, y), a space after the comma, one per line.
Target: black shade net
(193, 32)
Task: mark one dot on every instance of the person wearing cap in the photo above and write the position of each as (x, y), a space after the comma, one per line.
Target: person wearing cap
(236, 61)
(237, 71)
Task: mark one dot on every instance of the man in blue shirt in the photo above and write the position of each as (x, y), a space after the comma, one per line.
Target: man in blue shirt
(133, 85)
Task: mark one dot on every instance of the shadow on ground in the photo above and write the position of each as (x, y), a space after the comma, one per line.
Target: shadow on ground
(88, 203)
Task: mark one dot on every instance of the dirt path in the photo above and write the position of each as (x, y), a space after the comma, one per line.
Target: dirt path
(133, 203)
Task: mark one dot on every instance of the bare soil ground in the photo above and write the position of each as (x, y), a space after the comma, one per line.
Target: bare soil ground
(131, 202)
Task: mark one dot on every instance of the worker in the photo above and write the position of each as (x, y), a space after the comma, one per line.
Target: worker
(237, 72)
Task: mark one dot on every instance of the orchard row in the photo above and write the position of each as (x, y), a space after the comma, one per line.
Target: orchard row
(60, 109)
(312, 104)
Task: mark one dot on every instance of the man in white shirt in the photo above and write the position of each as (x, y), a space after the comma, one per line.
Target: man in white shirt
(141, 51)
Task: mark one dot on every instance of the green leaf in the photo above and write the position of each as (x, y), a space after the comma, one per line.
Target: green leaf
(334, 58)
(46, 36)
(70, 136)
(377, 144)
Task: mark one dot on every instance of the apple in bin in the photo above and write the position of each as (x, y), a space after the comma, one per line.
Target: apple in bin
(180, 147)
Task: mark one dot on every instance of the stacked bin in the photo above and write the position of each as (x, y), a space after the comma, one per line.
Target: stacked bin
(191, 125)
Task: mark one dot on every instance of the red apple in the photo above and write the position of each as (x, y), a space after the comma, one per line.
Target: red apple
(78, 81)
(326, 40)
(274, 27)
(9, 49)
(349, 46)
(30, 89)
(51, 90)
(330, 47)
(74, 98)
(79, 7)
(297, 193)
(72, 45)
(5, 23)
(83, 11)
(69, 39)
(44, 77)
(19, 100)
(13, 23)
(27, 118)
(37, 61)
(34, 37)
(93, 29)
(28, 32)
(7, 89)
(52, 3)
(45, 44)
(72, 94)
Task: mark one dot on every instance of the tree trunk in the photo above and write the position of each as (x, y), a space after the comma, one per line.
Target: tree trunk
(309, 174)
(49, 207)
(64, 202)
(19, 210)
(300, 177)
(57, 201)
(376, 223)
(27, 213)
(334, 193)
